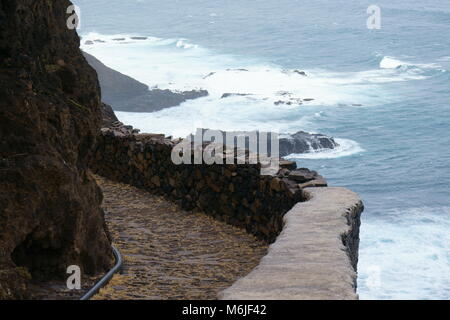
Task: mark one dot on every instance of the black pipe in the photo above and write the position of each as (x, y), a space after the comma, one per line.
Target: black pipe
(103, 281)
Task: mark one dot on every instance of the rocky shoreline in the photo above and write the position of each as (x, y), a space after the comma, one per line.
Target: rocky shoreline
(124, 93)
(297, 143)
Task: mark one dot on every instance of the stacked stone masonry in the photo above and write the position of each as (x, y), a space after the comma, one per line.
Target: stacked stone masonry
(316, 229)
(236, 194)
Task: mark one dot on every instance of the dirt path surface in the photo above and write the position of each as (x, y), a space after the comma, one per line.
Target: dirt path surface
(170, 253)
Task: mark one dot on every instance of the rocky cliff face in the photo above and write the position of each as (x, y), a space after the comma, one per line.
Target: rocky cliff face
(124, 93)
(116, 87)
(50, 113)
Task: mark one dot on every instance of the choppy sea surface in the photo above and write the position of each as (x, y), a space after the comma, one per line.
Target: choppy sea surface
(384, 94)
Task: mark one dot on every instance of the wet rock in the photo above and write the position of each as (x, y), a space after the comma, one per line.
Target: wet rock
(289, 101)
(227, 95)
(304, 142)
(302, 73)
(239, 69)
(209, 75)
(300, 142)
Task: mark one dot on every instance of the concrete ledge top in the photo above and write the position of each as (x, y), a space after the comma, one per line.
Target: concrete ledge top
(309, 259)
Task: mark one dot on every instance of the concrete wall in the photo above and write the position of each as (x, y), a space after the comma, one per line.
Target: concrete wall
(315, 255)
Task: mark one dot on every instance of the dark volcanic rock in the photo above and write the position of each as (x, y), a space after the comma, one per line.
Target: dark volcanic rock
(307, 178)
(302, 73)
(158, 99)
(300, 142)
(303, 142)
(50, 114)
(108, 115)
(227, 95)
(116, 87)
(124, 93)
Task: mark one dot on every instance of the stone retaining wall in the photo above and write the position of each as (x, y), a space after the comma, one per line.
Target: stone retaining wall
(236, 194)
(316, 229)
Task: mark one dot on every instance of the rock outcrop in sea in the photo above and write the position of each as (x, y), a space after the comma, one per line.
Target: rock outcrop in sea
(304, 142)
(299, 142)
(124, 93)
(50, 115)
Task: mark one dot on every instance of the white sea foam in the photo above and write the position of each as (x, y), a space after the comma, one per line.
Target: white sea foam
(182, 43)
(208, 112)
(410, 247)
(177, 64)
(393, 63)
(346, 148)
(180, 65)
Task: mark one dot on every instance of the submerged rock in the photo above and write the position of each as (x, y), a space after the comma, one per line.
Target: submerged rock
(289, 102)
(239, 69)
(227, 95)
(302, 73)
(304, 142)
(209, 75)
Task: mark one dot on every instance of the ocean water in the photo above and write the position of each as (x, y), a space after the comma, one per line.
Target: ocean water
(384, 94)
